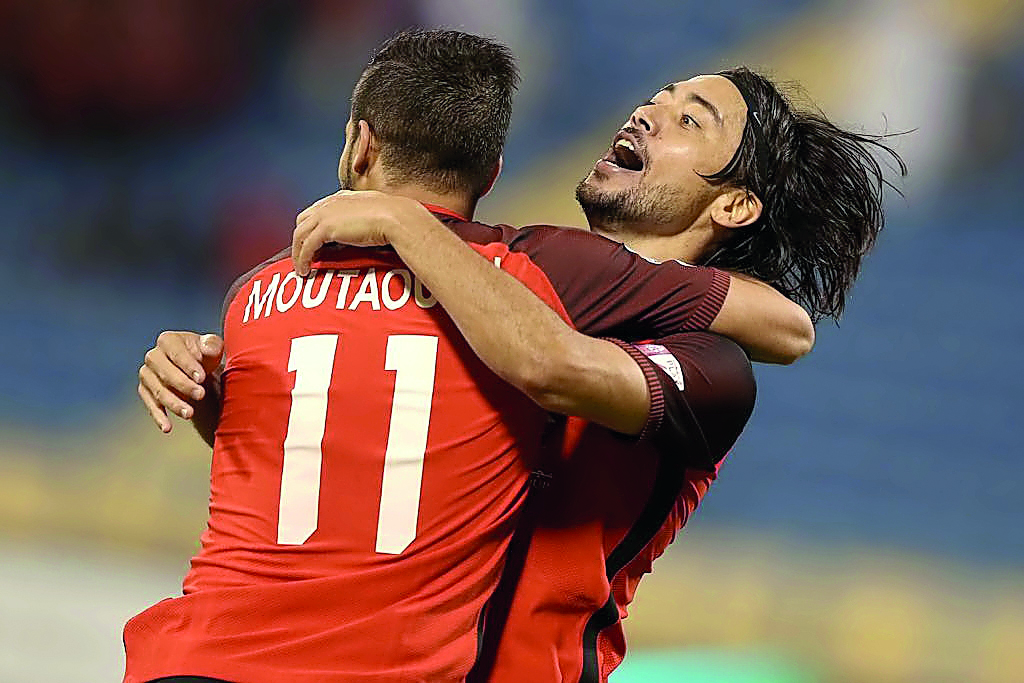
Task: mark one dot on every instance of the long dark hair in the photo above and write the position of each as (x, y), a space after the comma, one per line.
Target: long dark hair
(821, 188)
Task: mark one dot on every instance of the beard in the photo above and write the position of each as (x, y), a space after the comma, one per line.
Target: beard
(637, 204)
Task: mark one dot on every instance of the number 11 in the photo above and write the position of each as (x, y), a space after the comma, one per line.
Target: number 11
(413, 358)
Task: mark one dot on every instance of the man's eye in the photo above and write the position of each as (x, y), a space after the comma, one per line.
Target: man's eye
(688, 120)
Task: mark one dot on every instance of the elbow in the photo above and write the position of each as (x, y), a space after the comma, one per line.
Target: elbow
(801, 339)
(545, 378)
(542, 388)
(553, 402)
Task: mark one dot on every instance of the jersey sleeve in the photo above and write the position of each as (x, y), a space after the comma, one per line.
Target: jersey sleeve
(611, 291)
(702, 395)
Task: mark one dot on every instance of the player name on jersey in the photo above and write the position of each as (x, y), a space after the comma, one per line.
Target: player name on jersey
(344, 289)
(389, 289)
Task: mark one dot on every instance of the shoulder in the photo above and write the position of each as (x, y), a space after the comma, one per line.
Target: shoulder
(702, 395)
(540, 242)
(707, 359)
(241, 281)
(530, 235)
(714, 376)
(476, 232)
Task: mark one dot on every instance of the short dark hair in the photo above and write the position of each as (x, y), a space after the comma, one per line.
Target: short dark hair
(440, 102)
(821, 188)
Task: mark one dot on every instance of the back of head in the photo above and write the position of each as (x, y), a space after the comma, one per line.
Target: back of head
(440, 103)
(821, 189)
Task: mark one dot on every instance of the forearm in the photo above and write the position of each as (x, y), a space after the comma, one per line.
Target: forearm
(769, 326)
(516, 334)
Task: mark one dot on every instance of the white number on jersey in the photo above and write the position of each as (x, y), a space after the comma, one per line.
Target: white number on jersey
(413, 358)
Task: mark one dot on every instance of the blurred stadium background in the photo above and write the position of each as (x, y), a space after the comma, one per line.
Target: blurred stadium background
(868, 527)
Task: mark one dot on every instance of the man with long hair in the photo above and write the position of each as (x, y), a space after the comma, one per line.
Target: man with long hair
(367, 468)
(718, 169)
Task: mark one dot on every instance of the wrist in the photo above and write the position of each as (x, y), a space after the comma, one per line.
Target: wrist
(408, 220)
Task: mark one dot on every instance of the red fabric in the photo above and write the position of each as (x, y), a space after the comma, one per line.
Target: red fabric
(611, 644)
(595, 498)
(333, 609)
(611, 291)
(564, 582)
(434, 208)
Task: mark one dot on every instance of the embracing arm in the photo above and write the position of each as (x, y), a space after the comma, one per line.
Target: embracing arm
(769, 326)
(519, 337)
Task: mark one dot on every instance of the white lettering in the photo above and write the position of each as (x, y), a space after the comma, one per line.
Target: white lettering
(394, 290)
(497, 262)
(281, 305)
(308, 300)
(385, 289)
(367, 292)
(256, 302)
(346, 277)
(424, 299)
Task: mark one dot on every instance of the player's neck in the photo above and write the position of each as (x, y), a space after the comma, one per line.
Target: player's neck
(459, 204)
(690, 246)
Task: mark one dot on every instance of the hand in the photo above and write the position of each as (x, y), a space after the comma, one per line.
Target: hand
(358, 218)
(173, 373)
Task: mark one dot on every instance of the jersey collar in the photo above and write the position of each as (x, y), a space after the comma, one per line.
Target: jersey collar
(434, 208)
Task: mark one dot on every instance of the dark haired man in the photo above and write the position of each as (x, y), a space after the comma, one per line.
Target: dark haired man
(718, 168)
(360, 511)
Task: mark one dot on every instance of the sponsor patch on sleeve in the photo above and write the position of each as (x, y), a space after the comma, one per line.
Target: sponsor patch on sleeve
(664, 359)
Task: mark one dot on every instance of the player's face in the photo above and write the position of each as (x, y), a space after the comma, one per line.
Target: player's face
(652, 171)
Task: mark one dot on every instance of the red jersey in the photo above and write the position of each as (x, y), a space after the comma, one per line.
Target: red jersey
(613, 506)
(368, 469)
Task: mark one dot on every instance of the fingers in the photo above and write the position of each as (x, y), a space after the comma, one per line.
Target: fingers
(299, 239)
(212, 349)
(164, 397)
(312, 242)
(347, 217)
(182, 348)
(156, 411)
(170, 375)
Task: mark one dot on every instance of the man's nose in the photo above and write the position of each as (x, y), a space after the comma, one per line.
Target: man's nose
(642, 119)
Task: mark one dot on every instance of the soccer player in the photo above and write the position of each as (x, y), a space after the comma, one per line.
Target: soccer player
(367, 468)
(718, 168)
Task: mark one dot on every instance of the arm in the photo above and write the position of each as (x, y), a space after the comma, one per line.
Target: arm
(207, 411)
(519, 337)
(706, 391)
(516, 335)
(619, 294)
(769, 326)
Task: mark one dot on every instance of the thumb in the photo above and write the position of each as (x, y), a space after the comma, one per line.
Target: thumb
(212, 348)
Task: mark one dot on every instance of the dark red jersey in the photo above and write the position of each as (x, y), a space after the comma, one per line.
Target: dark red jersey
(611, 508)
(368, 469)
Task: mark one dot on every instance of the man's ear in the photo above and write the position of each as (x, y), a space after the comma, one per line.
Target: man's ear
(494, 176)
(365, 149)
(736, 208)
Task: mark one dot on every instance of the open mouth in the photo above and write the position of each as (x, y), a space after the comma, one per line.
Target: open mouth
(624, 153)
